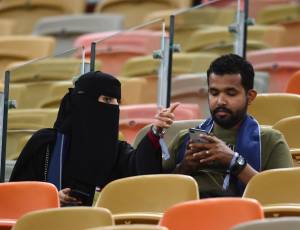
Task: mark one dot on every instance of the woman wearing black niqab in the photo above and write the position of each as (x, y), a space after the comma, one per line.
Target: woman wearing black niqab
(82, 151)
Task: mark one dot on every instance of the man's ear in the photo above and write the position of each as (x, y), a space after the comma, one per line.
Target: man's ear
(251, 95)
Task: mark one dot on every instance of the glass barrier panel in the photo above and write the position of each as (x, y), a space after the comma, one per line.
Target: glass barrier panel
(35, 91)
(201, 34)
(134, 57)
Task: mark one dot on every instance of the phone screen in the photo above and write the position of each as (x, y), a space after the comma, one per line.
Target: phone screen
(195, 135)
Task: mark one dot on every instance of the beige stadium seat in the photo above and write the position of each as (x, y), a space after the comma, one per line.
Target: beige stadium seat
(143, 199)
(23, 48)
(182, 63)
(269, 108)
(7, 27)
(219, 39)
(286, 15)
(43, 94)
(135, 11)
(31, 118)
(75, 218)
(25, 13)
(289, 127)
(290, 223)
(275, 187)
(188, 22)
(296, 156)
(15, 142)
(50, 69)
(22, 123)
(138, 90)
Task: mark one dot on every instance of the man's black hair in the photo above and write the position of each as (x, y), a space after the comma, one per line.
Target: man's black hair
(233, 64)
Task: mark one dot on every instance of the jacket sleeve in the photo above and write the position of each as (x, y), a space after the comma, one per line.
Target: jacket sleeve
(145, 159)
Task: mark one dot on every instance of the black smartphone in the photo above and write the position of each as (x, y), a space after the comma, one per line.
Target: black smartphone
(195, 135)
(84, 197)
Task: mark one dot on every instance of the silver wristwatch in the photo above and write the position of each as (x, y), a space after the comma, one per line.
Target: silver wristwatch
(159, 132)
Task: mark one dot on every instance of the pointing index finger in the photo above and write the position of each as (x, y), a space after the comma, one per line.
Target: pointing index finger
(173, 107)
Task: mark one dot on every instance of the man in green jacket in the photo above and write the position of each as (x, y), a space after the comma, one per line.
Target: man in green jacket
(236, 147)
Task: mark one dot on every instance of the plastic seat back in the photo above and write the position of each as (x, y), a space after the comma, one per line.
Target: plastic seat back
(25, 13)
(280, 63)
(147, 193)
(290, 223)
(275, 186)
(293, 85)
(135, 11)
(211, 214)
(269, 108)
(289, 127)
(76, 218)
(66, 28)
(18, 198)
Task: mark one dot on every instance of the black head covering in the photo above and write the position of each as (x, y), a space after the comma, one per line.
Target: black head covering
(94, 128)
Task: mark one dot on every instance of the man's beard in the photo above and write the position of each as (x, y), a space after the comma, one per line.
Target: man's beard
(232, 118)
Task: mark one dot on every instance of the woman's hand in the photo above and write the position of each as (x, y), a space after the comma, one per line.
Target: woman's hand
(66, 199)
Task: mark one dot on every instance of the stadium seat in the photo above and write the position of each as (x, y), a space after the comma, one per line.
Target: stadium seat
(293, 84)
(189, 21)
(275, 187)
(23, 48)
(19, 198)
(286, 15)
(76, 218)
(135, 117)
(289, 127)
(25, 13)
(7, 27)
(290, 223)
(269, 108)
(296, 156)
(67, 28)
(182, 63)
(50, 69)
(218, 39)
(135, 11)
(128, 198)
(280, 63)
(43, 94)
(211, 214)
(119, 47)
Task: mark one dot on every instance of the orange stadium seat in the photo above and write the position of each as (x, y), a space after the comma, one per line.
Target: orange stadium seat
(19, 198)
(280, 63)
(211, 214)
(115, 50)
(293, 85)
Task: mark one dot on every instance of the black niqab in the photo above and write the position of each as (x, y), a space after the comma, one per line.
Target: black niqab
(94, 128)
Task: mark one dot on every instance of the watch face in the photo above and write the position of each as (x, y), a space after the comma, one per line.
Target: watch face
(240, 160)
